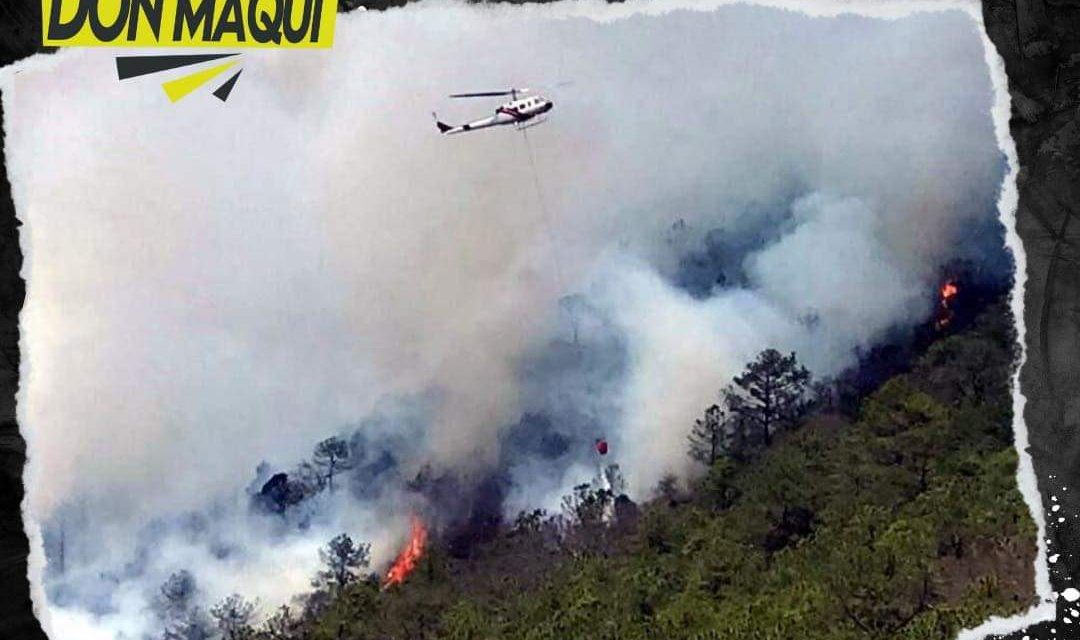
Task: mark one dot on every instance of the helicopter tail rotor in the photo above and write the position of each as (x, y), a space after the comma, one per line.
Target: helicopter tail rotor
(443, 127)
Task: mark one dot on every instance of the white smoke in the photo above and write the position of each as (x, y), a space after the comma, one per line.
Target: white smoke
(215, 285)
(833, 266)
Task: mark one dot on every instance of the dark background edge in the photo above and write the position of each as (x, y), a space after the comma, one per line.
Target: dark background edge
(1039, 41)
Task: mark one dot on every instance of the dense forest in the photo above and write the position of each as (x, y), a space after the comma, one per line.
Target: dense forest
(893, 513)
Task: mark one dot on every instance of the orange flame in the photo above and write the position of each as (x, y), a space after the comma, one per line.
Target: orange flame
(945, 315)
(948, 292)
(409, 557)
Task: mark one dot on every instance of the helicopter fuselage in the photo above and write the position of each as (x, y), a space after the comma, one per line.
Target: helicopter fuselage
(514, 112)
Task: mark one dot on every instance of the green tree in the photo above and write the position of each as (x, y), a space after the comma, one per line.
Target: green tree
(717, 489)
(233, 616)
(332, 456)
(707, 436)
(466, 621)
(905, 523)
(883, 571)
(912, 428)
(772, 388)
(343, 559)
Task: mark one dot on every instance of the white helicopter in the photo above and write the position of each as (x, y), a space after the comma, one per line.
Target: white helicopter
(524, 110)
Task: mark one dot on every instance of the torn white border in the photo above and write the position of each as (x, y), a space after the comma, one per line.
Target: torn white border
(597, 10)
(1044, 608)
(36, 560)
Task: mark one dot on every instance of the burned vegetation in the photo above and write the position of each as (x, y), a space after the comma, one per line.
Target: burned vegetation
(828, 509)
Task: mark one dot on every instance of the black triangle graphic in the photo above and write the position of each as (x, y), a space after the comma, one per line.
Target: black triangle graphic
(134, 66)
(224, 90)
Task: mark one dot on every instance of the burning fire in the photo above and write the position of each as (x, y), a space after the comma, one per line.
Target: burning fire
(407, 560)
(949, 290)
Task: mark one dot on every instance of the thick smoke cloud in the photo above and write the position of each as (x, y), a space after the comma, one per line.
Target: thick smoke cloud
(213, 286)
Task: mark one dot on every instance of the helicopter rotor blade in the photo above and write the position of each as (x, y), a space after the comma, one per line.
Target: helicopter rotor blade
(491, 94)
(481, 94)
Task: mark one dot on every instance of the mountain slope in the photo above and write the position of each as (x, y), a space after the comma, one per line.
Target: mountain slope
(902, 520)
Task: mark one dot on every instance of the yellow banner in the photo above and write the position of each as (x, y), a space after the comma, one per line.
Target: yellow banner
(189, 23)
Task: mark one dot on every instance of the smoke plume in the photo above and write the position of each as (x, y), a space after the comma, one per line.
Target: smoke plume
(214, 286)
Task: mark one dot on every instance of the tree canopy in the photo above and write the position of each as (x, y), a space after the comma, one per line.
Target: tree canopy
(900, 520)
(773, 393)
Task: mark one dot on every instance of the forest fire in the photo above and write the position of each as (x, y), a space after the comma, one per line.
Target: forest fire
(409, 557)
(948, 292)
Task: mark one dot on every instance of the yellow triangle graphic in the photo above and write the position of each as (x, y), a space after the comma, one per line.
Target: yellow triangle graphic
(180, 87)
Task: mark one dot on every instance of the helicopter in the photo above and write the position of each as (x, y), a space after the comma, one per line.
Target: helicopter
(524, 110)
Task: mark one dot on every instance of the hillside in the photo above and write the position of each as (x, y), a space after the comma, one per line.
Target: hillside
(900, 520)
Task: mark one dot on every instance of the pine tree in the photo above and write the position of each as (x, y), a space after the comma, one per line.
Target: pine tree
(708, 435)
(772, 390)
(233, 616)
(332, 456)
(343, 559)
